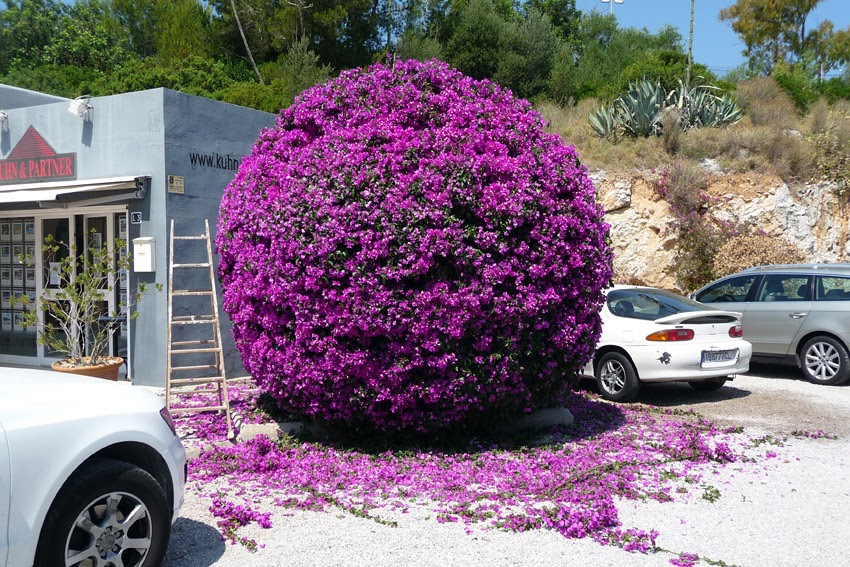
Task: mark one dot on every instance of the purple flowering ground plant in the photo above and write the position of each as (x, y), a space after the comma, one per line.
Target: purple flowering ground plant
(408, 248)
(571, 479)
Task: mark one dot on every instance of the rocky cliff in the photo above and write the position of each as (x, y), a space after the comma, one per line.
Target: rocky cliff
(810, 215)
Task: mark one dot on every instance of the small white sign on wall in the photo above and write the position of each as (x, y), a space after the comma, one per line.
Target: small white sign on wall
(175, 184)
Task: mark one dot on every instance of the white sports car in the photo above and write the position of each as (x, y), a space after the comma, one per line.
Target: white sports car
(91, 472)
(652, 335)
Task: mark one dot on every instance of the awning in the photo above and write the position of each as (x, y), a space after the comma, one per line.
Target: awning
(78, 193)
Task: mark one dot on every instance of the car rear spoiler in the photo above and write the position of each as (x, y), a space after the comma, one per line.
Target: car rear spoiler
(685, 316)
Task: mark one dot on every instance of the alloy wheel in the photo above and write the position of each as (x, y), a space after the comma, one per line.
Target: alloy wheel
(823, 361)
(613, 376)
(112, 531)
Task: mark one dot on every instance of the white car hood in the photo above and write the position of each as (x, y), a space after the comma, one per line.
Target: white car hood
(64, 395)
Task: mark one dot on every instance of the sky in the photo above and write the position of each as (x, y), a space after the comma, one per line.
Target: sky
(715, 44)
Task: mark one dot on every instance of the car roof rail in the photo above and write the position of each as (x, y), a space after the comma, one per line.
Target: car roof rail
(816, 266)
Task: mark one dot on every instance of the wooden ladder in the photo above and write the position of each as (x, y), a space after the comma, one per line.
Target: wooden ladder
(195, 354)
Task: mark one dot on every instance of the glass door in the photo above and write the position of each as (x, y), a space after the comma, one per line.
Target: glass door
(61, 231)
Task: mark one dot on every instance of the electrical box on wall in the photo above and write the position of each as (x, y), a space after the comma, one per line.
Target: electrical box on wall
(144, 254)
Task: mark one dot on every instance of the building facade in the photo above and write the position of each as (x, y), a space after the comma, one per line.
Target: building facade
(116, 167)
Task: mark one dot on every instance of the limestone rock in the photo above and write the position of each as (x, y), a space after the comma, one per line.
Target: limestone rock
(812, 216)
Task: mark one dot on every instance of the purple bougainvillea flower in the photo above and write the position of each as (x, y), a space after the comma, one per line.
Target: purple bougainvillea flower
(408, 248)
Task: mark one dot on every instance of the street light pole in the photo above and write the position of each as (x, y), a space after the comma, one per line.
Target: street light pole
(690, 49)
(611, 3)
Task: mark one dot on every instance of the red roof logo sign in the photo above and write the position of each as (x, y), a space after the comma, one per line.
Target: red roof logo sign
(33, 160)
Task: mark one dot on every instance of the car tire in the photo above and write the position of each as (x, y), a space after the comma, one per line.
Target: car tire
(708, 385)
(617, 378)
(108, 509)
(824, 360)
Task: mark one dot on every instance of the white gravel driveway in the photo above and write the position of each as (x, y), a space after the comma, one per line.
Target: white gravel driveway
(795, 511)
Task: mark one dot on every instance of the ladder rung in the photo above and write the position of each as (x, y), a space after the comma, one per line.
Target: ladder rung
(174, 410)
(201, 237)
(201, 367)
(200, 380)
(204, 265)
(193, 319)
(193, 343)
(193, 292)
(191, 350)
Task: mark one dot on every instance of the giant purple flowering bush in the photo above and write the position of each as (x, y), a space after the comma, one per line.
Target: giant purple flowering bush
(409, 249)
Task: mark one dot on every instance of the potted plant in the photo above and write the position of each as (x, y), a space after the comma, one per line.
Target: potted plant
(74, 320)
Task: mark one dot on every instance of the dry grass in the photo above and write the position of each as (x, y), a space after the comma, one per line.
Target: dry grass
(766, 103)
(572, 125)
(748, 250)
(685, 183)
(772, 138)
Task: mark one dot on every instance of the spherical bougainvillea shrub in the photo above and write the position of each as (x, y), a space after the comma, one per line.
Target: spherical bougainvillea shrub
(409, 249)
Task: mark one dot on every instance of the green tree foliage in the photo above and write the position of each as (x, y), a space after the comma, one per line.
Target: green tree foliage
(344, 34)
(527, 54)
(604, 58)
(27, 28)
(60, 80)
(137, 19)
(87, 37)
(517, 52)
(193, 75)
(475, 45)
(776, 31)
(537, 48)
(413, 44)
(563, 14)
(182, 31)
(269, 27)
(293, 73)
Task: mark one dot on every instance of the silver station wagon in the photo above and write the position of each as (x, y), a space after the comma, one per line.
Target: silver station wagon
(797, 314)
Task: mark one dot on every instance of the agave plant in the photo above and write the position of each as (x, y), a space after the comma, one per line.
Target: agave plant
(641, 108)
(605, 122)
(702, 108)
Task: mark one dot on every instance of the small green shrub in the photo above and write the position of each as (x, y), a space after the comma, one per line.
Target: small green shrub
(794, 80)
(834, 89)
(747, 250)
(698, 235)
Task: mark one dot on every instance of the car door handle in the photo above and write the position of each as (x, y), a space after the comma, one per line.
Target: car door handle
(797, 315)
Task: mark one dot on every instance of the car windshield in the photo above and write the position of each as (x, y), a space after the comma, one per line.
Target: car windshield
(650, 303)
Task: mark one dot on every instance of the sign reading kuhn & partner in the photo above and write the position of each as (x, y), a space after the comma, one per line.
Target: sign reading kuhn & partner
(33, 160)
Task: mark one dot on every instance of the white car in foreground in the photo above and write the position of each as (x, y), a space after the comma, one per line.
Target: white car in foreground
(91, 472)
(652, 335)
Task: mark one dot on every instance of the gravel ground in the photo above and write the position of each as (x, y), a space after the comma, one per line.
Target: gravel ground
(791, 512)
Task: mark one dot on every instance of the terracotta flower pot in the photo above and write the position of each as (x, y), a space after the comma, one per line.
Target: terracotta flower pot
(107, 371)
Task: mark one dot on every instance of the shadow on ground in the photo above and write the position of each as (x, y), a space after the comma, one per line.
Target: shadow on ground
(193, 544)
(675, 394)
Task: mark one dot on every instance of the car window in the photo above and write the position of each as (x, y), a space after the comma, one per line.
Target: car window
(833, 289)
(728, 291)
(649, 304)
(784, 287)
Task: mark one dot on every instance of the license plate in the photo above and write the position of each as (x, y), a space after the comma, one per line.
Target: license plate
(719, 357)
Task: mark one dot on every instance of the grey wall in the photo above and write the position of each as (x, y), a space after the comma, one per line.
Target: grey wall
(204, 143)
(154, 133)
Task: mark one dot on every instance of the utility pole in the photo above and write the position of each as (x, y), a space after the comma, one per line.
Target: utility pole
(690, 49)
(611, 3)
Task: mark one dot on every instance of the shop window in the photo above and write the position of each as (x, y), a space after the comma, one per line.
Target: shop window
(17, 285)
